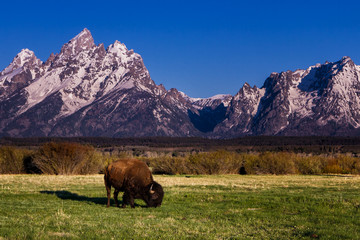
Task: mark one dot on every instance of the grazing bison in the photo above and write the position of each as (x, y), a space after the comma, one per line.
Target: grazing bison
(133, 177)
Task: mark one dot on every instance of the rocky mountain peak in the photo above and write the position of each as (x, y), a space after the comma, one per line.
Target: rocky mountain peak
(246, 92)
(117, 47)
(81, 42)
(345, 59)
(50, 59)
(247, 88)
(120, 51)
(336, 67)
(25, 57)
(246, 85)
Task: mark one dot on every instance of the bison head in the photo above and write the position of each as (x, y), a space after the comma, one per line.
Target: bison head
(155, 195)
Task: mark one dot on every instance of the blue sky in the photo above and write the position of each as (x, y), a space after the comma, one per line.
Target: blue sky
(202, 48)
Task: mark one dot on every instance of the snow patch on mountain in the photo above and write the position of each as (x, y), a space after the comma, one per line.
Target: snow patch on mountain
(301, 103)
(7, 77)
(218, 99)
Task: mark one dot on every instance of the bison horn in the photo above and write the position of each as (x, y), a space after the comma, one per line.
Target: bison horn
(152, 191)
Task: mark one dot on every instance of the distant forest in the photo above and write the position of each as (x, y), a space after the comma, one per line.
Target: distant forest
(311, 144)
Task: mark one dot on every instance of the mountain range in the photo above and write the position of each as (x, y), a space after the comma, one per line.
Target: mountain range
(90, 90)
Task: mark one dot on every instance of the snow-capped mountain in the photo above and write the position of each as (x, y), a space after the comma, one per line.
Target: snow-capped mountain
(321, 100)
(87, 90)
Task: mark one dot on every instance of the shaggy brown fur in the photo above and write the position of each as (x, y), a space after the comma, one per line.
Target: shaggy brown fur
(134, 178)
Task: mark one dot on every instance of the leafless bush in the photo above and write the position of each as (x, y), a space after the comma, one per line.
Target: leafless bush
(67, 159)
(309, 164)
(73, 158)
(224, 162)
(220, 162)
(270, 163)
(169, 165)
(12, 160)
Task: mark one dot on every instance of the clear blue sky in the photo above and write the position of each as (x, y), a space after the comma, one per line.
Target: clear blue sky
(200, 47)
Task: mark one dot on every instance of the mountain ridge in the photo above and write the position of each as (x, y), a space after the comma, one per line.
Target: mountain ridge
(87, 90)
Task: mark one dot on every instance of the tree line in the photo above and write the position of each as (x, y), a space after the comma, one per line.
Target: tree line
(310, 144)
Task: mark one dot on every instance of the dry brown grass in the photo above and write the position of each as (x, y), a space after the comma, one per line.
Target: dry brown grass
(23, 182)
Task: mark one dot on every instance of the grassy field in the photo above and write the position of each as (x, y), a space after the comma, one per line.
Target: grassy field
(194, 207)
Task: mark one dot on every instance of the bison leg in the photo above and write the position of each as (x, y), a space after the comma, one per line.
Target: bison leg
(116, 193)
(108, 191)
(125, 200)
(128, 199)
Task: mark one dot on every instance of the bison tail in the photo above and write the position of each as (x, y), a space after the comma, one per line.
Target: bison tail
(107, 186)
(106, 178)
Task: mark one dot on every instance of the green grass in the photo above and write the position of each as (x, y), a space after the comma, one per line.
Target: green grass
(195, 207)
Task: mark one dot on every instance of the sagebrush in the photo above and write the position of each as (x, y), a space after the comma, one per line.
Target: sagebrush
(224, 162)
(73, 158)
(68, 158)
(13, 160)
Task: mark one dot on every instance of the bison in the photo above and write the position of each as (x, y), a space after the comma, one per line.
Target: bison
(134, 178)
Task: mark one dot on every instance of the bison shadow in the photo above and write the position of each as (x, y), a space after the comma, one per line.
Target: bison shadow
(66, 195)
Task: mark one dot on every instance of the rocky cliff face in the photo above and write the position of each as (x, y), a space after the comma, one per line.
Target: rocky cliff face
(324, 100)
(87, 90)
(240, 113)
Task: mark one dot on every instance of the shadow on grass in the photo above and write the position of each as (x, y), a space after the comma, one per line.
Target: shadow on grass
(66, 195)
(337, 175)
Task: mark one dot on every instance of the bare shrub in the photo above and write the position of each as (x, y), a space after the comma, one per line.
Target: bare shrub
(219, 162)
(332, 166)
(224, 162)
(169, 165)
(107, 158)
(251, 163)
(12, 160)
(356, 169)
(270, 163)
(72, 158)
(310, 164)
(67, 159)
(348, 164)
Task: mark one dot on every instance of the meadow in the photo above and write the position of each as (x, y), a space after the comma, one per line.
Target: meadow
(194, 207)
